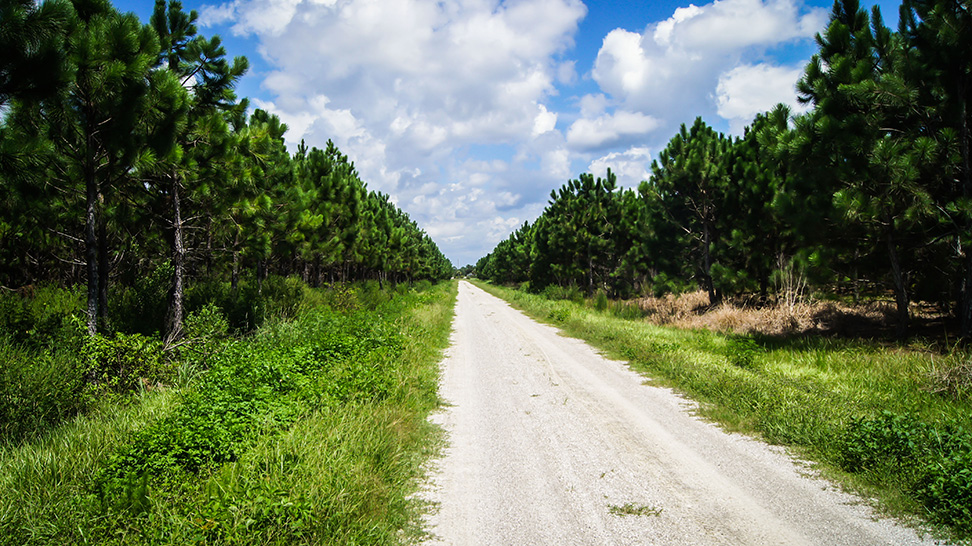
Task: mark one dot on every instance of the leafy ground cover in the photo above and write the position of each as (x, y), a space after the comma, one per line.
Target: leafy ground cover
(873, 415)
(311, 430)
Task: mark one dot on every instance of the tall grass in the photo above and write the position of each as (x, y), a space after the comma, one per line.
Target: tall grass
(829, 398)
(310, 431)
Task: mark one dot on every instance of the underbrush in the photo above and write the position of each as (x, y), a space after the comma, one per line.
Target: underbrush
(309, 431)
(892, 420)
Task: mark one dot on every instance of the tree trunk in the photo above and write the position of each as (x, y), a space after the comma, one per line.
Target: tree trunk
(103, 267)
(91, 251)
(965, 305)
(235, 277)
(261, 272)
(209, 247)
(173, 325)
(900, 286)
(707, 264)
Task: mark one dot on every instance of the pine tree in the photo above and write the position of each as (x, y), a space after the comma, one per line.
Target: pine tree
(689, 178)
(93, 124)
(940, 32)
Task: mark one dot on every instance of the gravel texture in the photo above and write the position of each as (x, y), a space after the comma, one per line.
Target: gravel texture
(550, 443)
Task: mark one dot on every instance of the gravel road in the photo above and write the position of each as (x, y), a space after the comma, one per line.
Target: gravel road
(551, 443)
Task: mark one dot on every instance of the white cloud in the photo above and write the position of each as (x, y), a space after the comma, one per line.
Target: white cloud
(630, 166)
(544, 122)
(671, 70)
(609, 130)
(748, 90)
(556, 163)
(594, 105)
(258, 16)
(736, 24)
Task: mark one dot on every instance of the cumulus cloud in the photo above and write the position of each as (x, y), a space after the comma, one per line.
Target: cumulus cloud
(544, 122)
(671, 70)
(609, 130)
(630, 166)
(748, 90)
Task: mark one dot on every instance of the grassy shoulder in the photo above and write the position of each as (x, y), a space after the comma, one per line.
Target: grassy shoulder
(310, 431)
(866, 412)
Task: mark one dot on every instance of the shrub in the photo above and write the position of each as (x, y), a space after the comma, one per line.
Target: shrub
(933, 462)
(124, 363)
(205, 332)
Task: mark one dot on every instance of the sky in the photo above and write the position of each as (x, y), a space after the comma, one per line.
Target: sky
(468, 113)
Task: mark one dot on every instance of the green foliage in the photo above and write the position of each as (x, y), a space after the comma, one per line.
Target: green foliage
(141, 308)
(600, 300)
(310, 430)
(934, 462)
(247, 307)
(39, 316)
(38, 389)
(42, 376)
(124, 363)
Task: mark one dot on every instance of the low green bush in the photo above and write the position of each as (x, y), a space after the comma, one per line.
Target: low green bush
(291, 368)
(123, 363)
(933, 462)
(247, 307)
(601, 300)
(308, 430)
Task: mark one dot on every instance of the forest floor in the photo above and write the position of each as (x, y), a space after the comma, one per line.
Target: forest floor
(549, 442)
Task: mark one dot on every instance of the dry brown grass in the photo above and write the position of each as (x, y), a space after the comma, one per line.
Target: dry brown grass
(952, 377)
(784, 317)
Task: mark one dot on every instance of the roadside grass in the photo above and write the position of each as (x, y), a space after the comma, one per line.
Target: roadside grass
(871, 416)
(310, 431)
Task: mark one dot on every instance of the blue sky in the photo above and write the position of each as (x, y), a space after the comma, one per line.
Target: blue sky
(469, 112)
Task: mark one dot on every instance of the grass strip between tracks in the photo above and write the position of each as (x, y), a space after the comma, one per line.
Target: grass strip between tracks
(866, 411)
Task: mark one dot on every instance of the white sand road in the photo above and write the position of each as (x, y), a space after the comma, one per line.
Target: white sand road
(548, 442)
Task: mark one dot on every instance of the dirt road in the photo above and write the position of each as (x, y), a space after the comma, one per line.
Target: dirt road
(550, 443)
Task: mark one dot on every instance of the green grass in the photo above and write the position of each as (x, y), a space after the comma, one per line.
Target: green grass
(838, 402)
(311, 431)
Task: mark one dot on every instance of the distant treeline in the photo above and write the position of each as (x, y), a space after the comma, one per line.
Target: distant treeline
(871, 188)
(123, 148)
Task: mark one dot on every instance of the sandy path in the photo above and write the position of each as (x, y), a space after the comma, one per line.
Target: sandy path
(546, 436)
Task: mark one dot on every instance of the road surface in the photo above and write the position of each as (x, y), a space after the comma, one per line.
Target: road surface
(550, 443)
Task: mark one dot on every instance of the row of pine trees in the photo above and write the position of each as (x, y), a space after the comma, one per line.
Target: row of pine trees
(871, 189)
(124, 147)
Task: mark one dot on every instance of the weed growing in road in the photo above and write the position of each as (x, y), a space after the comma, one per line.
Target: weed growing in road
(632, 509)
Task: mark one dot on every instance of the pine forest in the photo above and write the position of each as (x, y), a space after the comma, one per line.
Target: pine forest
(870, 191)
